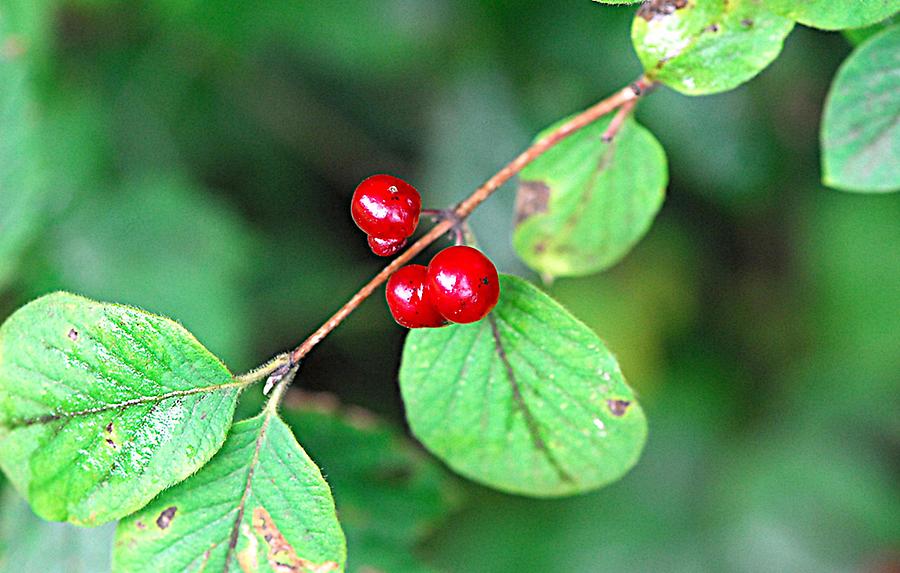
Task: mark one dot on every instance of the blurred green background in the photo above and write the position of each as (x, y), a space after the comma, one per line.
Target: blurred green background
(196, 158)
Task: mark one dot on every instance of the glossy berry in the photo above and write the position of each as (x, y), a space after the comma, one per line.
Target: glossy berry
(385, 247)
(409, 300)
(386, 207)
(463, 284)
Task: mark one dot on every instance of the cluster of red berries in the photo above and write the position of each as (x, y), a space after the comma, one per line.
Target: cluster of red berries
(459, 285)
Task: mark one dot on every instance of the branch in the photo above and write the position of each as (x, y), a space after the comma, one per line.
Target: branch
(624, 97)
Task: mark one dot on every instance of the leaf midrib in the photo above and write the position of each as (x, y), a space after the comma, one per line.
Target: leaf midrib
(47, 418)
(248, 486)
(531, 422)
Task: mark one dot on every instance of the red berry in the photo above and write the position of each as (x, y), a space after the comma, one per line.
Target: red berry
(385, 247)
(409, 300)
(463, 284)
(386, 207)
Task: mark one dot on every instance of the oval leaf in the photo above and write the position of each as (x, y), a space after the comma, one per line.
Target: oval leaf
(834, 14)
(585, 203)
(707, 46)
(103, 406)
(260, 505)
(528, 400)
(861, 123)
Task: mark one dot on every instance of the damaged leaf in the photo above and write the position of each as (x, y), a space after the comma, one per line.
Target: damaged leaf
(585, 203)
(259, 505)
(121, 404)
(707, 46)
(861, 123)
(528, 400)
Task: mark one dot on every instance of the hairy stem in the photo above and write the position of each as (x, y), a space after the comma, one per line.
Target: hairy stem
(624, 97)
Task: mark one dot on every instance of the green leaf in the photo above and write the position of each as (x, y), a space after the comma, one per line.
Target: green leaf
(707, 46)
(528, 400)
(19, 191)
(861, 123)
(103, 406)
(32, 545)
(260, 505)
(834, 14)
(585, 203)
(388, 493)
(857, 36)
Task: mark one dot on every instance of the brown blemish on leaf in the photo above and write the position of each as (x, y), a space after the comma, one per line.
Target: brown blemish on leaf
(651, 9)
(618, 407)
(109, 435)
(531, 199)
(281, 555)
(73, 334)
(747, 23)
(165, 518)
(140, 525)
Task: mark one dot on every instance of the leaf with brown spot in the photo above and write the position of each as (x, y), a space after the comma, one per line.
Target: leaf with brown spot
(282, 557)
(706, 46)
(259, 505)
(518, 401)
(585, 203)
(114, 415)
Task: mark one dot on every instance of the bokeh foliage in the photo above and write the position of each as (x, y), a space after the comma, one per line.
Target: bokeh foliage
(196, 158)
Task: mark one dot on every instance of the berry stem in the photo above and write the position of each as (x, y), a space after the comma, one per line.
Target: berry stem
(625, 97)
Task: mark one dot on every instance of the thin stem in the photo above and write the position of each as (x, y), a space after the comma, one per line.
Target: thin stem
(279, 390)
(264, 371)
(624, 96)
(616, 124)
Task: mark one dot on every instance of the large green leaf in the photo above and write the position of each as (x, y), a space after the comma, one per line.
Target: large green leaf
(388, 492)
(260, 505)
(834, 14)
(103, 406)
(707, 46)
(528, 400)
(19, 192)
(32, 545)
(861, 124)
(585, 203)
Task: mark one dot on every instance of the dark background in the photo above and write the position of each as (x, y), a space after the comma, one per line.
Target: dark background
(203, 154)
